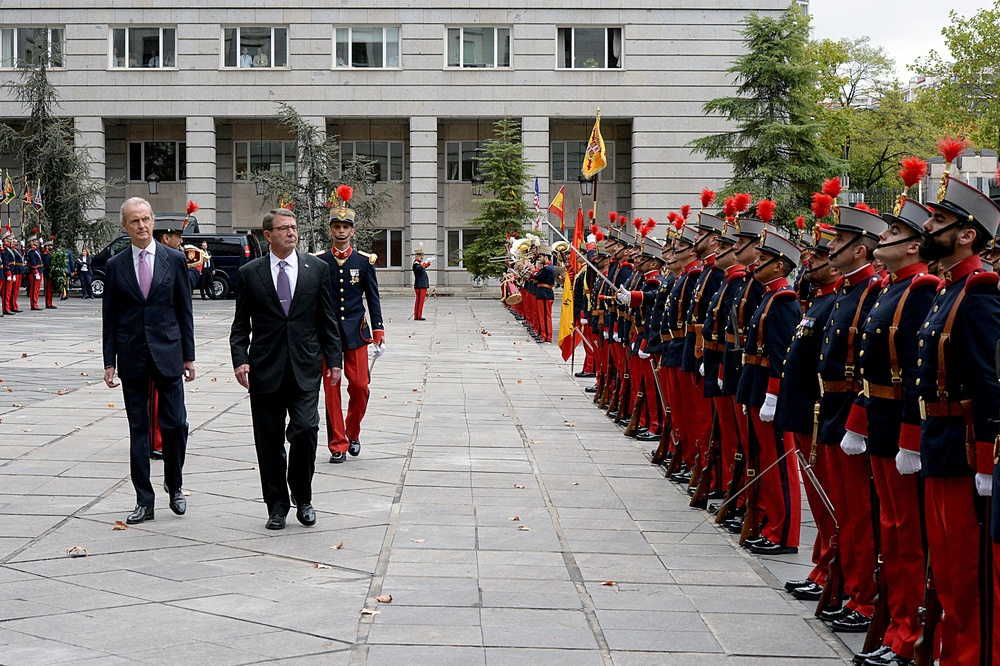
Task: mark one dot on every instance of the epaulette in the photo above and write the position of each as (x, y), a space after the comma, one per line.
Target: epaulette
(785, 292)
(372, 258)
(697, 270)
(983, 279)
(736, 276)
(925, 280)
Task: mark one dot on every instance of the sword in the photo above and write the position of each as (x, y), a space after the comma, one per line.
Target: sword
(757, 476)
(597, 270)
(811, 475)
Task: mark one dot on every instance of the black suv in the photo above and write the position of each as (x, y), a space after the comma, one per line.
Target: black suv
(229, 252)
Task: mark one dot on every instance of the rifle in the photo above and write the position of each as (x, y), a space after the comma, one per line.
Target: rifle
(929, 615)
(659, 454)
(751, 519)
(739, 466)
(702, 488)
(881, 616)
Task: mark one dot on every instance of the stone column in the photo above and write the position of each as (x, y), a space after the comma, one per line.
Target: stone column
(201, 183)
(424, 194)
(535, 139)
(90, 138)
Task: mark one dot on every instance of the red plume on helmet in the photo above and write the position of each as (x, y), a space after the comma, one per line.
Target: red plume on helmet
(612, 217)
(622, 219)
(832, 187)
(590, 214)
(913, 171)
(676, 220)
(599, 235)
(950, 148)
(822, 205)
(637, 223)
(344, 193)
(765, 209)
(192, 207)
(743, 201)
(685, 211)
(707, 197)
(865, 207)
(594, 229)
(729, 207)
(651, 223)
(800, 222)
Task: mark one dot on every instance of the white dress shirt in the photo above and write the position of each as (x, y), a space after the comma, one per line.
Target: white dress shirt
(291, 270)
(151, 248)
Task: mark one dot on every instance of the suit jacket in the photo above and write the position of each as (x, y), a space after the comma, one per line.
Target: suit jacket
(159, 327)
(268, 340)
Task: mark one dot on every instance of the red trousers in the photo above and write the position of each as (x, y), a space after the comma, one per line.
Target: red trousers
(825, 526)
(780, 495)
(590, 351)
(545, 319)
(900, 541)
(530, 310)
(48, 292)
(696, 415)
(340, 432)
(729, 436)
(650, 414)
(681, 414)
(418, 304)
(34, 284)
(15, 292)
(849, 488)
(5, 288)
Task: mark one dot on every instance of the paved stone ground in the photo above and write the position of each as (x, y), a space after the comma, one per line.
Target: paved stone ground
(508, 519)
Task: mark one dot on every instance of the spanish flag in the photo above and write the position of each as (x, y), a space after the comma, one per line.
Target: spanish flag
(556, 207)
(595, 159)
(567, 332)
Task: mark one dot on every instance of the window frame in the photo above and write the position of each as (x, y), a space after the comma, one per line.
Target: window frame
(393, 242)
(127, 41)
(385, 175)
(16, 36)
(281, 167)
(461, 161)
(385, 46)
(607, 171)
(180, 165)
(560, 47)
(239, 47)
(462, 243)
(496, 47)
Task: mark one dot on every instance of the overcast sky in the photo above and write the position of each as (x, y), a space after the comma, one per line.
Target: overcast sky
(906, 29)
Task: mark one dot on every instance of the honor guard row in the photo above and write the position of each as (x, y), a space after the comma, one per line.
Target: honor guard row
(757, 362)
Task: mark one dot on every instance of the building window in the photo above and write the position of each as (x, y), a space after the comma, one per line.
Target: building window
(388, 248)
(462, 160)
(168, 159)
(31, 46)
(590, 48)
(143, 47)
(567, 161)
(255, 47)
(478, 47)
(458, 240)
(253, 156)
(387, 155)
(367, 47)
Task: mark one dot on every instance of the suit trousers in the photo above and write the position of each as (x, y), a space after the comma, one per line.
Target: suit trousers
(340, 431)
(48, 292)
(34, 287)
(545, 319)
(418, 303)
(269, 435)
(172, 417)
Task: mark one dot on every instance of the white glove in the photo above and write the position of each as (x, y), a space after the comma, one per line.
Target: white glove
(605, 334)
(623, 295)
(8, 278)
(720, 383)
(643, 355)
(583, 321)
(701, 369)
(615, 337)
(984, 485)
(853, 444)
(379, 350)
(429, 259)
(746, 412)
(767, 409)
(908, 462)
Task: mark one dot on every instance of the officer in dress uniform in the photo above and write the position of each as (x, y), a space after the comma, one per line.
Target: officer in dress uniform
(36, 266)
(959, 397)
(887, 405)
(671, 269)
(420, 283)
(768, 336)
(583, 284)
(794, 414)
(545, 280)
(601, 321)
(626, 331)
(20, 269)
(47, 273)
(352, 274)
(613, 320)
(848, 482)
(6, 271)
(592, 319)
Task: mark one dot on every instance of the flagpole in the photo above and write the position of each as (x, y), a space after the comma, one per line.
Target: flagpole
(601, 275)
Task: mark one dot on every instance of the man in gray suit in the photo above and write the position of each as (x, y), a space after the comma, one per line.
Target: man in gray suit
(283, 330)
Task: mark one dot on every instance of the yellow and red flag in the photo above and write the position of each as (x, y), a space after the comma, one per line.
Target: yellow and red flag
(595, 159)
(567, 331)
(556, 207)
(578, 243)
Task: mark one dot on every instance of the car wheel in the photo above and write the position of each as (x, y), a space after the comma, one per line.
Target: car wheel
(97, 286)
(220, 287)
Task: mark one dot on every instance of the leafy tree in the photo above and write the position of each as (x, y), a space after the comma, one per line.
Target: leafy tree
(58, 270)
(319, 172)
(967, 98)
(773, 145)
(45, 146)
(505, 212)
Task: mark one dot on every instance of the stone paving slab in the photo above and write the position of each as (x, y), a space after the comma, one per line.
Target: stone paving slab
(509, 520)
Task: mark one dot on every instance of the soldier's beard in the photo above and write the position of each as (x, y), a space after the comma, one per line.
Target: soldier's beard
(936, 248)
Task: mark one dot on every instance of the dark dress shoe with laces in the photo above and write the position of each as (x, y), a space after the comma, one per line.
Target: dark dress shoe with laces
(612, 415)
(887, 658)
(648, 437)
(338, 457)
(177, 502)
(796, 584)
(861, 657)
(584, 374)
(590, 389)
(755, 541)
(276, 521)
(810, 592)
(140, 514)
(769, 548)
(354, 448)
(306, 514)
(735, 526)
(852, 623)
(833, 614)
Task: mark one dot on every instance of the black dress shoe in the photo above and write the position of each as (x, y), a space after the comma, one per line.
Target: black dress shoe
(338, 457)
(156, 455)
(717, 494)
(419, 319)
(612, 415)
(755, 541)
(354, 448)
(796, 584)
(810, 592)
(903, 661)
(887, 658)
(177, 502)
(773, 549)
(648, 437)
(861, 657)
(141, 514)
(276, 521)
(33, 309)
(735, 526)
(852, 623)
(642, 429)
(306, 514)
(50, 307)
(833, 614)
(590, 389)
(714, 507)
(584, 374)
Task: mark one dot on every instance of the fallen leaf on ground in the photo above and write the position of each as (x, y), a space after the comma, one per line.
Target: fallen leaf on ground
(119, 525)
(57, 362)
(90, 351)
(215, 379)
(576, 483)
(16, 404)
(570, 424)
(77, 551)
(519, 381)
(515, 518)
(59, 392)
(523, 528)
(111, 404)
(534, 441)
(322, 566)
(369, 611)
(384, 599)
(415, 390)
(609, 583)
(418, 540)
(519, 486)
(338, 546)
(24, 355)
(186, 493)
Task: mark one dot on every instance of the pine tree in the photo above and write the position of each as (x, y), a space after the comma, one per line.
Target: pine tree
(774, 146)
(319, 172)
(504, 213)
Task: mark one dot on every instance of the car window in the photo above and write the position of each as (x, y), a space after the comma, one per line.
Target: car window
(222, 246)
(116, 246)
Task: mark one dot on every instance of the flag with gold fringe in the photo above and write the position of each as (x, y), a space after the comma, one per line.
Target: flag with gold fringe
(596, 157)
(567, 331)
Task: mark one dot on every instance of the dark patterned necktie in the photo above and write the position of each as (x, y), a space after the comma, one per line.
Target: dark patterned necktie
(284, 287)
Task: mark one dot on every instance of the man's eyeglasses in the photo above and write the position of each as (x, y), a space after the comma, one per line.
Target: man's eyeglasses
(285, 228)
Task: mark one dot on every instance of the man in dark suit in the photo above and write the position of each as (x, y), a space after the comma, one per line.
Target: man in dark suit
(283, 331)
(149, 337)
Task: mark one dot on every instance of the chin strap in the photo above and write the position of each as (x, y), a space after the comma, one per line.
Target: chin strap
(813, 269)
(849, 243)
(766, 264)
(942, 230)
(908, 239)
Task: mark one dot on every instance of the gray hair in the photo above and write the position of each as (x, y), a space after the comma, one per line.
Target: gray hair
(134, 201)
(268, 222)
